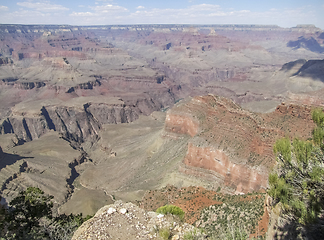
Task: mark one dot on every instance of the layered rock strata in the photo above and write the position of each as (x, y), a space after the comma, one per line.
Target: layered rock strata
(230, 146)
(75, 122)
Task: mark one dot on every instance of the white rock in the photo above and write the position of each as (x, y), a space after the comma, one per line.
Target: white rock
(175, 237)
(111, 210)
(123, 211)
(160, 216)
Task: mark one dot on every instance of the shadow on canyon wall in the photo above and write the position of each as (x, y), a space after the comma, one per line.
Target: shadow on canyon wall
(292, 230)
(310, 44)
(7, 159)
(310, 69)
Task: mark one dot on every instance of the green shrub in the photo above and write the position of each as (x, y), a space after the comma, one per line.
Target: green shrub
(164, 233)
(298, 182)
(171, 209)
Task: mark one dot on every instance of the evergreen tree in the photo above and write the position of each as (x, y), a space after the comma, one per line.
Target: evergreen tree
(22, 220)
(298, 182)
(30, 217)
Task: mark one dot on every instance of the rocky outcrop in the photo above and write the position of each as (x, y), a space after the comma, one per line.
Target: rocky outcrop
(127, 221)
(40, 55)
(5, 61)
(87, 85)
(11, 81)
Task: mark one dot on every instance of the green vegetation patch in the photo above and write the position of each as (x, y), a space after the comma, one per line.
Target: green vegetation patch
(298, 181)
(236, 218)
(30, 217)
(171, 209)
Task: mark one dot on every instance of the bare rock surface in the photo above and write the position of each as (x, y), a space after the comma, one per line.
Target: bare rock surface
(47, 163)
(127, 221)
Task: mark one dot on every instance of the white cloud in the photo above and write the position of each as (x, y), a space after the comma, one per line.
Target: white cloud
(43, 6)
(214, 14)
(4, 8)
(101, 11)
(102, 1)
(192, 14)
(108, 8)
(205, 7)
(107, 12)
(100, 14)
(82, 14)
(33, 17)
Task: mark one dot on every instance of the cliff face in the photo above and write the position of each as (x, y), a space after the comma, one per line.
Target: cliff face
(238, 177)
(40, 55)
(48, 163)
(231, 146)
(181, 124)
(73, 122)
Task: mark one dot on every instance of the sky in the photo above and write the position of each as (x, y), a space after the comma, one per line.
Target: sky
(284, 13)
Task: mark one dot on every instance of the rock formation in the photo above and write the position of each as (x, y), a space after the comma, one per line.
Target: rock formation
(127, 221)
(232, 146)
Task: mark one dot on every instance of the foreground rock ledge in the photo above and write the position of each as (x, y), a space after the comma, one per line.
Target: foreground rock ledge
(127, 221)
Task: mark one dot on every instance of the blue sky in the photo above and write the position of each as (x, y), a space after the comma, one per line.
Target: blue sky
(285, 13)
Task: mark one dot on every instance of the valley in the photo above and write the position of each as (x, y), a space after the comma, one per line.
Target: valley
(96, 114)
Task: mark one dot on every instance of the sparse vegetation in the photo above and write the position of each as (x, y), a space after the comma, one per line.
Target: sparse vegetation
(30, 217)
(194, 234)
(236, 218)
(232, 233)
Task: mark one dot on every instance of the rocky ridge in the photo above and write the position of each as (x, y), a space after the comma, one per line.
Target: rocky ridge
(232, 146)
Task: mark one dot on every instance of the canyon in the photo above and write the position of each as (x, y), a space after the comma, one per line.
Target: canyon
(96, 113)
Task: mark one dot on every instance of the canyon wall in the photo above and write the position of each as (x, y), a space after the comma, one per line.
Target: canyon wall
(74, 123)
(232, 147)
(237, 177)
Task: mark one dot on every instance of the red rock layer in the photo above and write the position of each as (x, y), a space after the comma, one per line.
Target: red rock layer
(181, 124)
(230, 146)
(241, 177)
